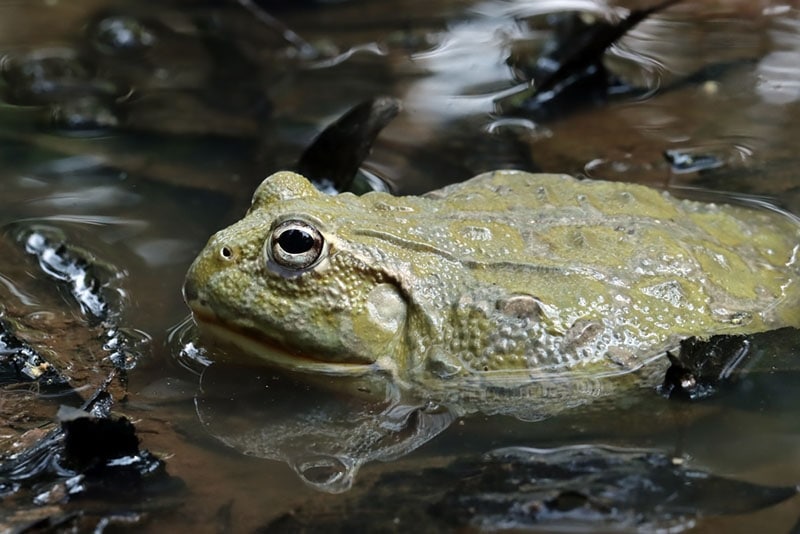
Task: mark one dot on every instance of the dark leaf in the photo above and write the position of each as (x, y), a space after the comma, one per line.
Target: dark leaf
(334, 157)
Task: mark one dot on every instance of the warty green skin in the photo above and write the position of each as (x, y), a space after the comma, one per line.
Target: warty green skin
(509, 278)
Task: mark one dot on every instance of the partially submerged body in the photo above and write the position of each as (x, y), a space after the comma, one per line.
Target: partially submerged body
(508, 279)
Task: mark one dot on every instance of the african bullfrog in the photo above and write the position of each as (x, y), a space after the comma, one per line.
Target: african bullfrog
(506, 278)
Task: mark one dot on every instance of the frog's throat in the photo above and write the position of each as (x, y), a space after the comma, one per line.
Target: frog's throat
(263, 349)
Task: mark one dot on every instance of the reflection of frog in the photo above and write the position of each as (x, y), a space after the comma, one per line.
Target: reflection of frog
(509, 276)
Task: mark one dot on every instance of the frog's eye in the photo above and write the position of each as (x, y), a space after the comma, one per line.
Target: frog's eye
(295, 245)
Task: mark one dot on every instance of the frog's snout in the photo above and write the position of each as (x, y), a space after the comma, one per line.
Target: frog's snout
(196, 281)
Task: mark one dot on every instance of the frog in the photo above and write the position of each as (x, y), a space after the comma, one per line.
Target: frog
(507, 279)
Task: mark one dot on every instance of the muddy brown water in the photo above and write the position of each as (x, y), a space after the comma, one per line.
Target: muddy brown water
(154, 136)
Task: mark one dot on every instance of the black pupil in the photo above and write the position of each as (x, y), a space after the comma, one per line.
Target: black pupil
(295, 241)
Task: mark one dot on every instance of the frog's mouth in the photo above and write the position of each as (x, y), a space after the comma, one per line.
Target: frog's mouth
(256, 344)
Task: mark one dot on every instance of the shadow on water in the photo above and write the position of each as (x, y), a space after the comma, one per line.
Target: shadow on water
(129, 134)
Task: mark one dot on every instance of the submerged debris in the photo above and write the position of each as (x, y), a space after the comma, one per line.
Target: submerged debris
(89, 286)
(50, 75)
(686, 161)
(90, 455)
(700, 367)
(86, 453)
(584, 48)
(21, 363)
(751, 372)
(571, 68)
(581, 488)
(61, 263)
(598, 487)
(49, 351)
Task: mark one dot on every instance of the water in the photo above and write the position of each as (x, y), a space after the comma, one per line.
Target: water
(183, 109)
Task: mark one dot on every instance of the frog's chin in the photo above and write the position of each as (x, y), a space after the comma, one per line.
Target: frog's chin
(258, 346)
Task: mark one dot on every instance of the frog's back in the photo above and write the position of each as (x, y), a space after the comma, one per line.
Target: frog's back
(610, 268)
(556, 222)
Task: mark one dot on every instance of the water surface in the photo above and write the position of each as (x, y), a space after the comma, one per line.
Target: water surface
(136, 132)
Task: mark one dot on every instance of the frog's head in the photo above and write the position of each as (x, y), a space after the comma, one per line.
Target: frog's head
(283, 284)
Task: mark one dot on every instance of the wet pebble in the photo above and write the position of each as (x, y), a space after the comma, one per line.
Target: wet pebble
(84, 115)
(49, 75)
(122, 34)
